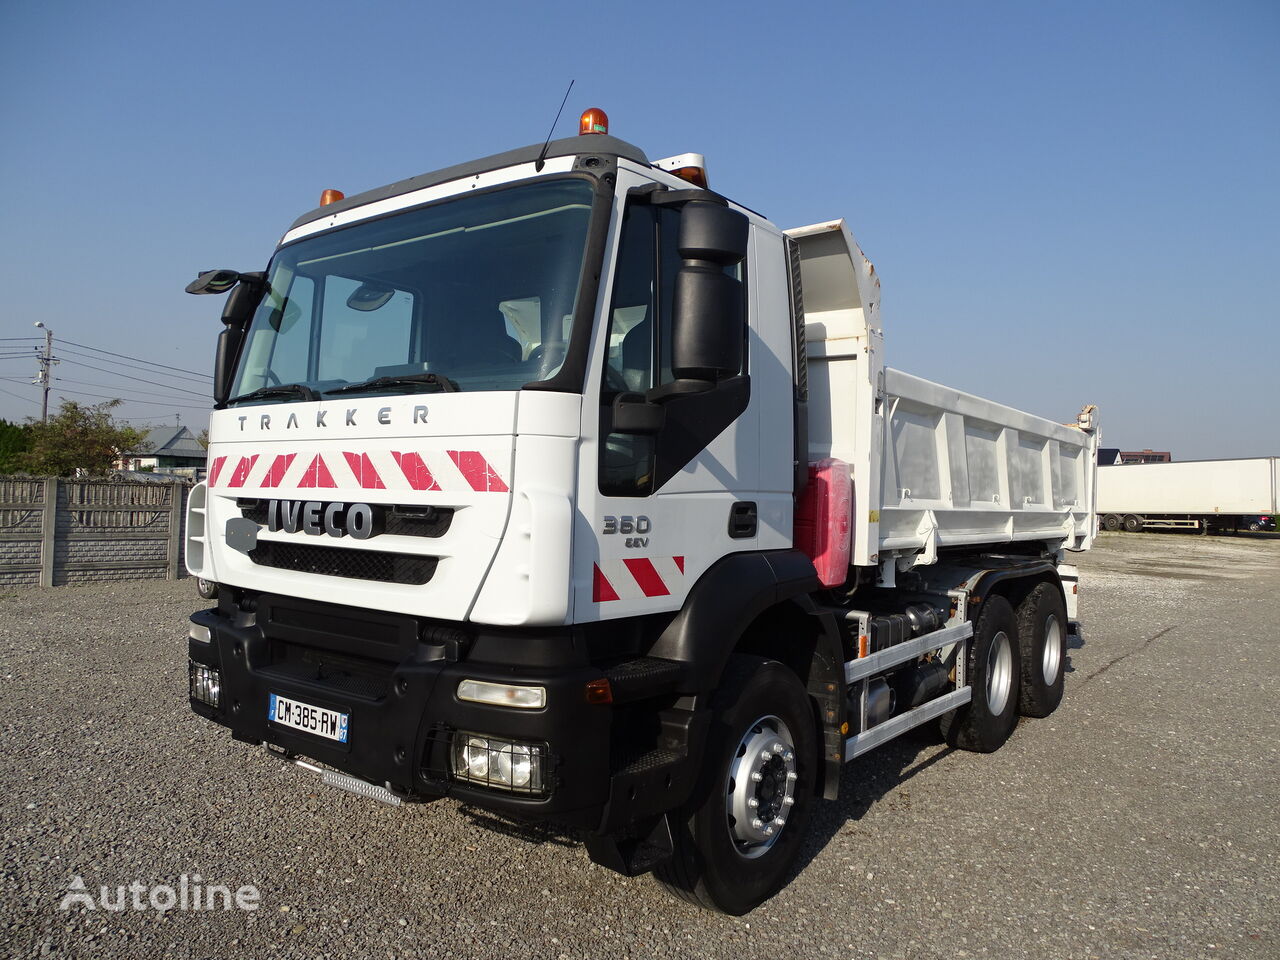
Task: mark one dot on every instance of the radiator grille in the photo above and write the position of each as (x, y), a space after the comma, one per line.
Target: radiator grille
(341, 562)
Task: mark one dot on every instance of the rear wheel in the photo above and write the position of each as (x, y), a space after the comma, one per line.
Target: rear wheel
(736, 841)
(994, 668)
(1042, 634)
(1111, 522)
(1132, 524)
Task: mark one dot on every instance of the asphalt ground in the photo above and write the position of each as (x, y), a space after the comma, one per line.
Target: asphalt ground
(1140, 820)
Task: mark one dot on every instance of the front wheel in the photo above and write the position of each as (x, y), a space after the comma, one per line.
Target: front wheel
(206, 588)
(736, 841)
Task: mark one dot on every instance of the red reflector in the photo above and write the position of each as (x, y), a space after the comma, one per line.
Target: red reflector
(593, 120)
(599, 691)
(331, 196)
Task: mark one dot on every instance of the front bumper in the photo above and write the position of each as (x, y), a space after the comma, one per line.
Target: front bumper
(400, 695)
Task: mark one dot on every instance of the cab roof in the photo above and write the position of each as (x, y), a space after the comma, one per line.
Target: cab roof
(594, 145)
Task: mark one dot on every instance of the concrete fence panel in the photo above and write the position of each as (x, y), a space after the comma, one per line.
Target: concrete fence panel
(56, 531)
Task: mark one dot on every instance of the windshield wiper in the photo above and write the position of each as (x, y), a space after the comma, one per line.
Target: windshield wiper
(281, 390)
(405, 380)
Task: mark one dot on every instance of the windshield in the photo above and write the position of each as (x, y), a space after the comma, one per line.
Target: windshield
(480, 290)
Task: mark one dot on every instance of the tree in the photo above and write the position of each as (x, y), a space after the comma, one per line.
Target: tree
(78, 437)
(15, 439)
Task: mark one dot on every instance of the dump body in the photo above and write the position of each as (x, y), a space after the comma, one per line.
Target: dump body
(1222, 487)
(933, 467)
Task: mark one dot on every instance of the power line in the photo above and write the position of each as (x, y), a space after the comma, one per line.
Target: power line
(19, 396)
(19, 338)
(120, 363)
(150, 403)
(63, 351)
(113, 386)
(140, 360)
(81, 363)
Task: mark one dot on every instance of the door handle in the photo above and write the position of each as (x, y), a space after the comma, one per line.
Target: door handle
(742, 520)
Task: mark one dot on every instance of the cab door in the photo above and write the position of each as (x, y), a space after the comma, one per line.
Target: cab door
(656, 510)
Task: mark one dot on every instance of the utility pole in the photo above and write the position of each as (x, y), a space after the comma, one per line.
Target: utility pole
(45, 377)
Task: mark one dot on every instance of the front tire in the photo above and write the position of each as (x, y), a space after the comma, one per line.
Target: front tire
(1042, 635)
(206, 588)
(731, 854)
(994, 669)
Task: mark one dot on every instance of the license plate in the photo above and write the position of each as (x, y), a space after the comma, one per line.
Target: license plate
(303, 716)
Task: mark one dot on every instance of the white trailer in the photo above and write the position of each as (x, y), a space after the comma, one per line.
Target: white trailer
(561, 485)
(1202, 495)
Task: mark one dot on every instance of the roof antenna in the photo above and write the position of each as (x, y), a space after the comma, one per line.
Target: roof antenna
(542, 157)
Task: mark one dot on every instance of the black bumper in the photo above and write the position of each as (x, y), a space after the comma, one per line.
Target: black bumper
(397, 679)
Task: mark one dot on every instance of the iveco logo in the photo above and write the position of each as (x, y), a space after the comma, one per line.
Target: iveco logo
(313, 517)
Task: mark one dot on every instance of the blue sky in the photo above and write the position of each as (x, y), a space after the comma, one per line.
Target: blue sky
(1066, 202)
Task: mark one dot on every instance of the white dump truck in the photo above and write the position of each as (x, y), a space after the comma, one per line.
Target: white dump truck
(1199, 495)
(561, 485)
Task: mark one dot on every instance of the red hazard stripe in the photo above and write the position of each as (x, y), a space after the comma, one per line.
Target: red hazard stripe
(216, 470)
(317, 474)
(477, 472)
(278, 468)
(646, 576)
(679, 563)
(415, 471)
(242, 471)
(366, 474)
(601, 588)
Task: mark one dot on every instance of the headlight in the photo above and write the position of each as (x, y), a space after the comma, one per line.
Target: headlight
(199, 633)
(503, 764)
(204, 683)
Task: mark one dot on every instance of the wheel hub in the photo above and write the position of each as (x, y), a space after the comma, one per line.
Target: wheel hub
(761, 787)
(999, 673)
(1052, 649)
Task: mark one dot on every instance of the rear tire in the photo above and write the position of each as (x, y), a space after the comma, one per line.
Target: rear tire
(994, 669)
(1111, 523)
(723, 859)
(1042, 635)
(1132, 524)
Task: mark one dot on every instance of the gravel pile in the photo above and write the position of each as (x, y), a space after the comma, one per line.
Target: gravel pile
(1138, 821)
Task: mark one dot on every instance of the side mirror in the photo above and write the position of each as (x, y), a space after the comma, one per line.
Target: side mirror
(214, 281)
(246, 292)
(709, 322)
(633, 414)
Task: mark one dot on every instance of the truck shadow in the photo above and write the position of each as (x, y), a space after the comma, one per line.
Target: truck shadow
(878, 775)
(868, 781)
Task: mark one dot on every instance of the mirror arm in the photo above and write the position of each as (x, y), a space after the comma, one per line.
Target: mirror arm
(662, 196)
(243, 299)
(633, 414)
(684, 387)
